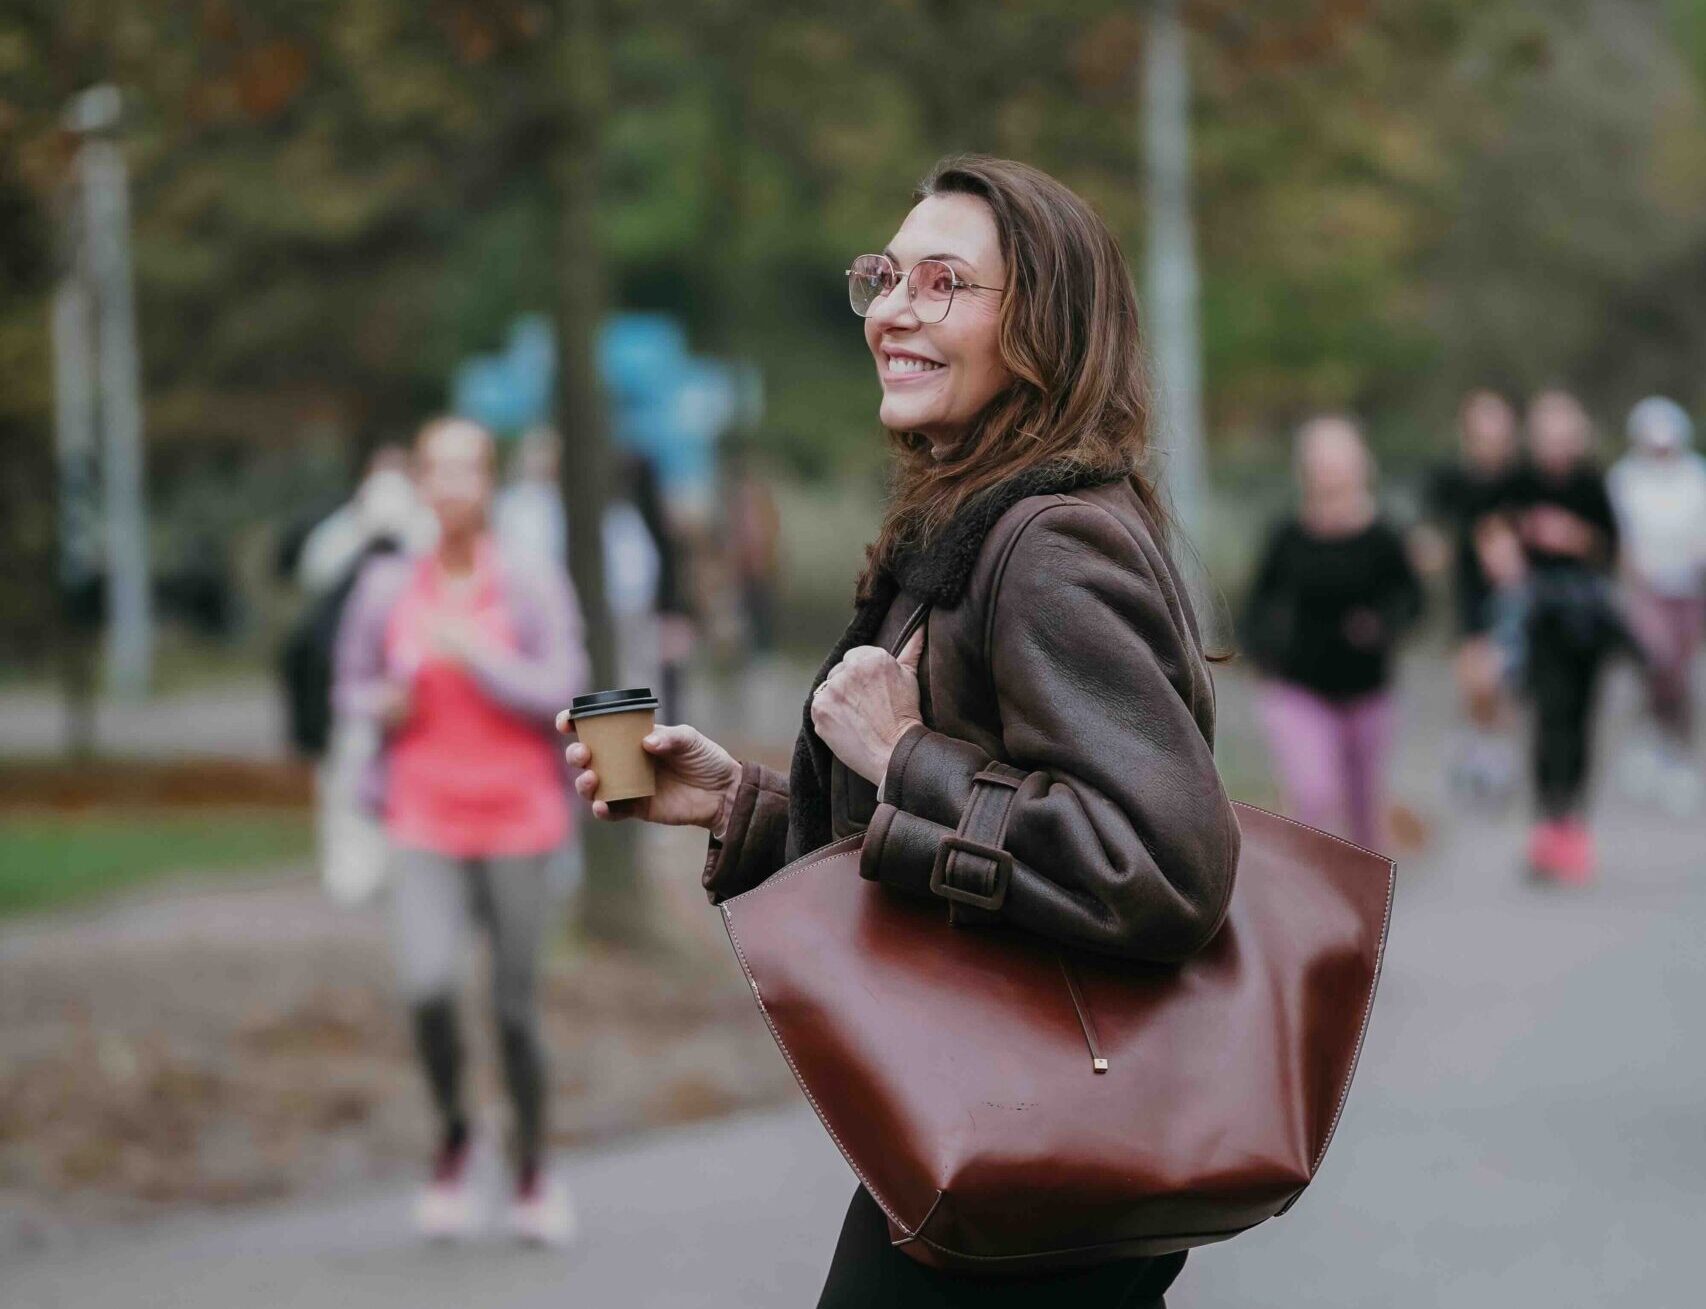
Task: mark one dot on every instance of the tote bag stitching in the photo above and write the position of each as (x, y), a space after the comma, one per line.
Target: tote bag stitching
(782, 1045)
(1331, 836)
(1367, 1014)
(1379, 962)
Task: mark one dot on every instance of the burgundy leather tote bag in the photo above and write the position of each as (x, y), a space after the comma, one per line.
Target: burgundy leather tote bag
(1015, 1106)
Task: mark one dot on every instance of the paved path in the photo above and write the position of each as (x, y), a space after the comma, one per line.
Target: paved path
(1528, 1129)
(242, 717)
(743, 1213)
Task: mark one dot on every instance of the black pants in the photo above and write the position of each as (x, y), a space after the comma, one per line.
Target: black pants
(867, 1272)
(1564, 680)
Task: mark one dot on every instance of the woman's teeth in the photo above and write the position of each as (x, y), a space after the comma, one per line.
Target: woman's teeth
(905, 364)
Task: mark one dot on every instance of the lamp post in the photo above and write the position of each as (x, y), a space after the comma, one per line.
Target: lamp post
(1170, 272)
(76, 428)
(102, 210)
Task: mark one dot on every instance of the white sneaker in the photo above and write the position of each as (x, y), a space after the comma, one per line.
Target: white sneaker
(1641, 772)
(445, 1209)
(1680, 791)
(543, 1214)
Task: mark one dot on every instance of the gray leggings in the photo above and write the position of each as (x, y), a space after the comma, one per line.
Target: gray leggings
(434, 897)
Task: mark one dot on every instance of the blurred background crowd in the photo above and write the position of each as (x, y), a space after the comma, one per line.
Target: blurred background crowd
(1426, 285)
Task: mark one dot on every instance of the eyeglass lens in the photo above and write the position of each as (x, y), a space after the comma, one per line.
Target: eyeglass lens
(930, 286)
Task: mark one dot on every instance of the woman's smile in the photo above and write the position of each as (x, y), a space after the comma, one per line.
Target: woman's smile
(903, 366)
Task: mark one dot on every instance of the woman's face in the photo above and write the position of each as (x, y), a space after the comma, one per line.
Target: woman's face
(454, 462)
(1489, 431)
(937, 377)
(1332, 461)
(1558, 431)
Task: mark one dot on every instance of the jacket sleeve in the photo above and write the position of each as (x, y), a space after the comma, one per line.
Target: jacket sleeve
(1122, 836)
(755, 842)
(1604, 517)
(1403, 600)
(549, 667)
(359, 677)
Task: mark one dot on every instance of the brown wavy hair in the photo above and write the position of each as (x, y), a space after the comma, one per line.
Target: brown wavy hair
(1069, 336)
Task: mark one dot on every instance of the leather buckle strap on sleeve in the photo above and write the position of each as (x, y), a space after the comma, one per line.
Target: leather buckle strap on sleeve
(971, 868)
(1001, 865)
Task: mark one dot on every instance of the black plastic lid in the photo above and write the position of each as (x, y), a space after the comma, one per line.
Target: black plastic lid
(612, 702)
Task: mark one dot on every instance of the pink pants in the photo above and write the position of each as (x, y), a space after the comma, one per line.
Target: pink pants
(1669, 631)
(1331, 757)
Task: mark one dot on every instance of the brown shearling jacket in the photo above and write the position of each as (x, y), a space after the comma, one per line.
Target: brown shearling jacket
(1069, 672)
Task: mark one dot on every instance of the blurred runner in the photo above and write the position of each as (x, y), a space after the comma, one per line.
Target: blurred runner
(1659, 492)
(1570, 624)
(383, 508)
(463, 656)
(754, 529)
(383, 517)
(672, 602)
(1331, 596)
(528, 515)
(1461, 496)
(531, 521)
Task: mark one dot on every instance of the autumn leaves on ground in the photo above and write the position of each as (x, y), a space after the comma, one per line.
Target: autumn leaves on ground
(229, 1035)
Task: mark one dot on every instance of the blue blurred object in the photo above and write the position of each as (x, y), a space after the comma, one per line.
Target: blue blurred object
(511, 391)
(667, 404)
(637, 353)
(664, 402)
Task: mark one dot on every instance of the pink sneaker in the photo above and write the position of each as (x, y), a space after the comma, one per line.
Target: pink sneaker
(542, 1213)
(1545, 848)
(444, 1209)
(1578, 858)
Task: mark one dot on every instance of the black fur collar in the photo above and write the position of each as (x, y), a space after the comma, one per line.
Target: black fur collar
(936, 573)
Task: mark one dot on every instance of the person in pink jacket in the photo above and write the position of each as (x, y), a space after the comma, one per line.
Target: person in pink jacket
(462, 656)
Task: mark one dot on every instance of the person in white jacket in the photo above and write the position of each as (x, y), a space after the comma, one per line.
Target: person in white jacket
(1659, 492)
(385, 505)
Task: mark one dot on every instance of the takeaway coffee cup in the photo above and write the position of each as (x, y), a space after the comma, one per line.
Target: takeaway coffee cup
(611, 724)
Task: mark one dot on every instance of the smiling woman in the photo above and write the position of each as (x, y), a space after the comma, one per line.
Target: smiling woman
(1022, 677)
(1035, 346)
(936, 347)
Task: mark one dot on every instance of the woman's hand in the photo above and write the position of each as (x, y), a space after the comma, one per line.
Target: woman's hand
(696, 779)
(1430, 552)
(393, 705)
(1499, 549)
(1558, 530)
(1363, 628)
(867, 703)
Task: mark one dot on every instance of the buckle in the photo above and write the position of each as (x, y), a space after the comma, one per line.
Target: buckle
(1003, 862)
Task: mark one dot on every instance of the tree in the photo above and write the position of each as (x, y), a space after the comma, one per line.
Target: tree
(614, 906)
(337, 200)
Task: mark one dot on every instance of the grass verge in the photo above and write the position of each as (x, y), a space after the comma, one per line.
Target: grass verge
(48, 860)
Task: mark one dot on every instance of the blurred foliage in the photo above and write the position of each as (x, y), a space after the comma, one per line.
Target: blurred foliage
(337, 199)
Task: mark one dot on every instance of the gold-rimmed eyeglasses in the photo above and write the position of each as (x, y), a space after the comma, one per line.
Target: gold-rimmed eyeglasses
(930, 286)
